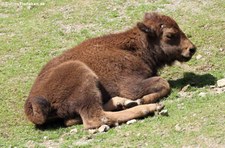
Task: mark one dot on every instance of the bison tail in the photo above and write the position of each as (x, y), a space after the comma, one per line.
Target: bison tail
(37, 110)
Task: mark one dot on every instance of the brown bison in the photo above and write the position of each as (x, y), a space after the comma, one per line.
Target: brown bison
(83, 83)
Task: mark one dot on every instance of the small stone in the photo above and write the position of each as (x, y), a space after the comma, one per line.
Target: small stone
(221, 49)
(45, 137)
(131, 121)
(178, 128)
(185, 88)
(30, 7)
(221, 83)
(73, 131)
(164, 112)
(103, 128)
(198, 57)
(202, 94)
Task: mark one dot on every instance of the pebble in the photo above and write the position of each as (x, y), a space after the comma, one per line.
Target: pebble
(185, 88)
(221, 49)
(73, 131)
(45, 138)
(103, 128)
(221, 83)
(30, 7)
(198, 57)
(131, 121)
(164, 112)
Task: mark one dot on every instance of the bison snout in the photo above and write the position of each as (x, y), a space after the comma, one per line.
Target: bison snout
(192, 50)
(187, 53)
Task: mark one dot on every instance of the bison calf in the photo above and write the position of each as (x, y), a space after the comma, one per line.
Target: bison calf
(84, 81)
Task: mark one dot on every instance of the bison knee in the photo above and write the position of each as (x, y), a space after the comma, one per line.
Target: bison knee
(37, 110)
(165, 86)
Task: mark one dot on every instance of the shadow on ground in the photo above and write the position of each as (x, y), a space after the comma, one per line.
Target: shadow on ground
(194, 80)
(52, 125)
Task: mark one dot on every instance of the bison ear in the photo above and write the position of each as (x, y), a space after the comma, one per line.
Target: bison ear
(145, 28)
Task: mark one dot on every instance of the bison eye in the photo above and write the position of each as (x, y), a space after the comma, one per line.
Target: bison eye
(171, 36)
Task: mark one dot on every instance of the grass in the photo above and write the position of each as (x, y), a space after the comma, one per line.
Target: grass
(32, 35)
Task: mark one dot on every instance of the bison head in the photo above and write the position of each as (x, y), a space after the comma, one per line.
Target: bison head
(164, 33)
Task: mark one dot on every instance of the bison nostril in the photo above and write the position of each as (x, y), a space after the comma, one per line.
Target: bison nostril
(192, 50)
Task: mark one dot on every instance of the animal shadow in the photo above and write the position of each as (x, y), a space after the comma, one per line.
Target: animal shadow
(194, 80)
(51, 125)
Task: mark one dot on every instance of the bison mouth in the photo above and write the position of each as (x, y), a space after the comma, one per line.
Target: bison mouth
(184, 58)
(186, 55)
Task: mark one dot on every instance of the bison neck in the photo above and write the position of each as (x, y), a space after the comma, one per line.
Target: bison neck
(138, 44)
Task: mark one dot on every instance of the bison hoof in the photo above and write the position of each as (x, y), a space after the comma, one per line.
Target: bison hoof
(164, 112)
(103, 128)
(159, 107)
(139, 101)
(130, 103)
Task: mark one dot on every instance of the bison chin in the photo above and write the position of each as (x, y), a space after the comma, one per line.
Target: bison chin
(186, 55)
(184, 58)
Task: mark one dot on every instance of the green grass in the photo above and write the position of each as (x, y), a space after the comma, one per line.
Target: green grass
(29, 37)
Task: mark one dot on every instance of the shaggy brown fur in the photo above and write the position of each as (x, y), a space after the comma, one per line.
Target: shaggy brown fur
(85, 80)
